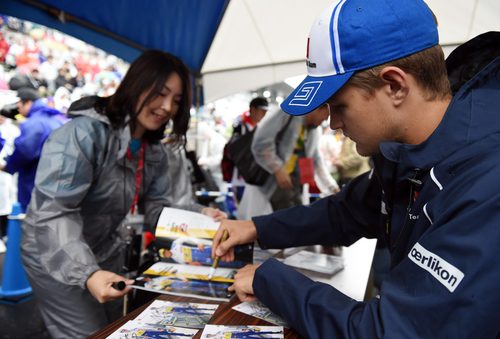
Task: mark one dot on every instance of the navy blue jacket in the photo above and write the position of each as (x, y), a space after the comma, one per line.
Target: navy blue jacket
(42, 120)
(440, 217)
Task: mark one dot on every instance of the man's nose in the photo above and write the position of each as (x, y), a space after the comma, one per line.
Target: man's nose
(335, 122)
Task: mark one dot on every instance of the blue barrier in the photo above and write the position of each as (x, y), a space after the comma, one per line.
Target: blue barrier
(15, 287)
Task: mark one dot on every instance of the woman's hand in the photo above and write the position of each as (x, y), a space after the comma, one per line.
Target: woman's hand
(283, 178)
(215, 213)
(100, 283)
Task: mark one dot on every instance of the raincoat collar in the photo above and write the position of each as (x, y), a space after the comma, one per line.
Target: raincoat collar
(85, 107)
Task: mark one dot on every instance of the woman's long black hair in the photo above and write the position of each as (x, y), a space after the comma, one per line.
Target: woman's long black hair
(148, 73)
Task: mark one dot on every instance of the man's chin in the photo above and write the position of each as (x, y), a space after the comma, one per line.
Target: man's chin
(365, 152)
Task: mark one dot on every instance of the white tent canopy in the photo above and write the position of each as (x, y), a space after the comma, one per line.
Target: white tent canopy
(262, 42)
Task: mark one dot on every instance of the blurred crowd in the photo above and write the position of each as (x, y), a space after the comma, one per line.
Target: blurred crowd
(62, 69)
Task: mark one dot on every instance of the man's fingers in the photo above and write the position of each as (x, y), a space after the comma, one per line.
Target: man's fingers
(223, 247)
(244, 296)
(220, 216)
(216, 240)
(249, 297)
(227, 257)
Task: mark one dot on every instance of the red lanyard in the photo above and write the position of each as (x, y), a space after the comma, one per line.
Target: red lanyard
(138, 176)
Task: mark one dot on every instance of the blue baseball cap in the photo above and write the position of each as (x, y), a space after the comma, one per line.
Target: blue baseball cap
(353, 35)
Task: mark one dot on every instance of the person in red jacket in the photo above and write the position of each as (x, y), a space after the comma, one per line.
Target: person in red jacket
(4, 48)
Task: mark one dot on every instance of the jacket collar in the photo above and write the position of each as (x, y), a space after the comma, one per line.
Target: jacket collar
(471, 116)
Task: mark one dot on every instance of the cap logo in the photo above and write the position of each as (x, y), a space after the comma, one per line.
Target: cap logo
(308, 62)
(306, 93)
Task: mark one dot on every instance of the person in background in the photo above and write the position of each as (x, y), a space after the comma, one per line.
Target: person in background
(330, 145)
(41, 121)
(5, 205)
(299, 141)
(432, 195)
(210, 154)
(4, 48)
(243, 124)
(8, 133)
(100, 171)
(349, 163)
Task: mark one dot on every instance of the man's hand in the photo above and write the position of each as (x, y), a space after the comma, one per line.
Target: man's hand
(243, 281)
(283, 178)
(239, 232)
(99, 285)
(215, 213)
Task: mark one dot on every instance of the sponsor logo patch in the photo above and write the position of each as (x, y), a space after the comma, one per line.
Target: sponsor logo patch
(443, 271)
(306, 93)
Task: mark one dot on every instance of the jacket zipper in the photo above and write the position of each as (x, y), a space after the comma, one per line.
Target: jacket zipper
(414, 182)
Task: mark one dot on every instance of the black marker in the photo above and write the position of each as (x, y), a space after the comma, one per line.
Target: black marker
(119, 285)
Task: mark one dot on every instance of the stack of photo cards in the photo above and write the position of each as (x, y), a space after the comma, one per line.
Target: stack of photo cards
(318, 262)
(167, 313)
(258, 310)
(165, 319)
(133, 329)
(184, 243)
(187, 281)
(225, 332)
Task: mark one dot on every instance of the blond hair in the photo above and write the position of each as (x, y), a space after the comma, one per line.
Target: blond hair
(427, 67)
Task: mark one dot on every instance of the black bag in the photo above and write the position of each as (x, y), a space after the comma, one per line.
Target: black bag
(227, 164)
(240, 151)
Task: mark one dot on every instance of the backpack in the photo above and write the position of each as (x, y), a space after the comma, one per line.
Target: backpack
(227, 164)
(240, 153)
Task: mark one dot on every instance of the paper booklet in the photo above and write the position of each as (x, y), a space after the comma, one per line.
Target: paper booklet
(187, 281)
(134, 329)
(185, 237)
(258, 310)
(227, 332)
(318, 262)
(175, 223)
(167, 313)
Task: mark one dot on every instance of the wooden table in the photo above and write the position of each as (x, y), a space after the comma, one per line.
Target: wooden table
(224, 315)
(352, 281)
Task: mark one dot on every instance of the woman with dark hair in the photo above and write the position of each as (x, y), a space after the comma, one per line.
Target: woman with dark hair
(101, 168)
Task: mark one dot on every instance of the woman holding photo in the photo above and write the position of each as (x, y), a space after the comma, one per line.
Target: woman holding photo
(103, 165)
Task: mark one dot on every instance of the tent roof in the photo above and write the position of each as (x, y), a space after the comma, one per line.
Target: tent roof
(250, 43)
(127, 27)
(261, 42)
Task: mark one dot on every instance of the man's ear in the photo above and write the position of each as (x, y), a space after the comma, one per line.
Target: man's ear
(397, 83)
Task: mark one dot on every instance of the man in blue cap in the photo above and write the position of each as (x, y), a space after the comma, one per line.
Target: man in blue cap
(433, 195)
(41, 121)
